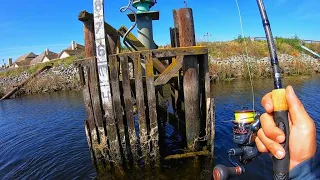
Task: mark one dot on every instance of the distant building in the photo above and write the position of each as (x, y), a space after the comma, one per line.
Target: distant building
(73, 50)
(24, 60)
(44, 57)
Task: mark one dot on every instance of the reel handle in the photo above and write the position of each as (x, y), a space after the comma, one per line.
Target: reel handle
(280, 115)
(221, 172)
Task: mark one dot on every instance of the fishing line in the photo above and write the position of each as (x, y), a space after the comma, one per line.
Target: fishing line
(247, 54)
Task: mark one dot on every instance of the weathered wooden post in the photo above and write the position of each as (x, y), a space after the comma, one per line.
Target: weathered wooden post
(90, 47)
(183, 21)
(87, 19)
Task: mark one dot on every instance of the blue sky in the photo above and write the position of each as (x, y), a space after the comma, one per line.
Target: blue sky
(34, 25)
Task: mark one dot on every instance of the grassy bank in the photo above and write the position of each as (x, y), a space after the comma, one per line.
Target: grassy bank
(257, 48)
(227, 72)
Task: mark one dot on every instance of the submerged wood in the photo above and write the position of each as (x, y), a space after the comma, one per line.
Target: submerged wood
(187, 155)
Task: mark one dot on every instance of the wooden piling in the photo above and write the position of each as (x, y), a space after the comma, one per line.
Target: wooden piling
(112, 35)
(116, 142)
(89, 39)
(183, 21)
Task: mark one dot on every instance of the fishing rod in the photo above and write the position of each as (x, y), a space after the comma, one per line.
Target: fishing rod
(280, 115)
(244, 131)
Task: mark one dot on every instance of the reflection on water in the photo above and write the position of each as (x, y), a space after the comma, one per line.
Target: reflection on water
(42, 136)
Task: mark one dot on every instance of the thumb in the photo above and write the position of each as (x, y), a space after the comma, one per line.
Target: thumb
(297, 112)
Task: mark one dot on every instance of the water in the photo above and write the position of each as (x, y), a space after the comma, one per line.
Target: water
(43, 137)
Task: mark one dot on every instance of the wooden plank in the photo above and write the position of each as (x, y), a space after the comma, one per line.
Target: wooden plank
(172, 52)
(95, 94)
(88, 135)
(87, 100)
(169, 72)
(204, 86)
(158, 65)
(141, 107)
(212, 124)
(154, 130)
(129, 108)
(207, 96)
(114, 81)
(94, 139)
(181, 51)
(131, 39)
(96, 105)
(179, 108)
(84, 62)
(81, 75)
(188, 155)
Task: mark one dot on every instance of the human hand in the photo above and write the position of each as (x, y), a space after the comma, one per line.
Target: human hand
(302, 138)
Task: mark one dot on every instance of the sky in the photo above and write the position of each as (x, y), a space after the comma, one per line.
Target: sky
(34, 25)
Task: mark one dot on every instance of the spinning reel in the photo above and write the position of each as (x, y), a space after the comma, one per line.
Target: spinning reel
(245, 128)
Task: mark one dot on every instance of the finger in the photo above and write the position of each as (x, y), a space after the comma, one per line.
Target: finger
(298, 114)
(260, 146)
(275, 148)
(270, 129)
(267, 103)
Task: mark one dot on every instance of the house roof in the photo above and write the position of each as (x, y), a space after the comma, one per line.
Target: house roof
(21, 63)
(51, 55)
(29, 55)
(71, 52)
(25, 59)
(77, 46)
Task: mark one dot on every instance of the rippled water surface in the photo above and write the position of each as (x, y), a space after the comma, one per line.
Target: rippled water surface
(43, 137)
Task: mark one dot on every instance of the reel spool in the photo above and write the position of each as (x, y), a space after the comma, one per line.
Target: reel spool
(244, 125)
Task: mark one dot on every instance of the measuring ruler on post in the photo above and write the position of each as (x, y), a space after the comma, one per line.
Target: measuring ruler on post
(102, 56)
(104, 81)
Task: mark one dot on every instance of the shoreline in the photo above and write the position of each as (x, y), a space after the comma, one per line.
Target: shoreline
(237, 67)
(58, 78)
(65, 77)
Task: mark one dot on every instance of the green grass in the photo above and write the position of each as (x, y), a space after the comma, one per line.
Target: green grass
(13, 72)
